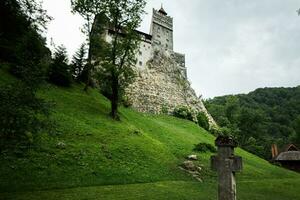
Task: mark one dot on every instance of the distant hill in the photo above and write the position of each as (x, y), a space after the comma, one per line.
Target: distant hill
(260, 118)
(87, 155)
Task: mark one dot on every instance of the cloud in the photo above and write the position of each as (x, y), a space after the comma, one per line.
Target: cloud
(231, 46)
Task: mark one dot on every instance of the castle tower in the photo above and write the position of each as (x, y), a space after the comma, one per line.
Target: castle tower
(162, 29)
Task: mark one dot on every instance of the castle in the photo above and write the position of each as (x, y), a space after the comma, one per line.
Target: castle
(161, 84)
(160, 38)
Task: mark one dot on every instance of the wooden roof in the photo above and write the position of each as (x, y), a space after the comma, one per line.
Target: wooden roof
(288, 156)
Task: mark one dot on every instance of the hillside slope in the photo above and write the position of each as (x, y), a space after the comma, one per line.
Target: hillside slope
(260, 118)
(86, 155)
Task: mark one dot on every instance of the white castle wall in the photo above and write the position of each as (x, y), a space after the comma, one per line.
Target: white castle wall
(162, 80)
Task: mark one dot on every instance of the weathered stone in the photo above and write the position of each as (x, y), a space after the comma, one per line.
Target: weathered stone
(226, 165)
(161, 86)
(61, 145)
(189, 165)
(192, 157)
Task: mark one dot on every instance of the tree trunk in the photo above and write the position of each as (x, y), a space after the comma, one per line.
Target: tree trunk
(87, 83)
(114, 98)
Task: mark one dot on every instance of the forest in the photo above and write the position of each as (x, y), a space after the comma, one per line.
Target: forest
(260, 118)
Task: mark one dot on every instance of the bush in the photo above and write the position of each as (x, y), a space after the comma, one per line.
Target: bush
(205, 147)
(22, 113)
(203, 121)
(183, 112)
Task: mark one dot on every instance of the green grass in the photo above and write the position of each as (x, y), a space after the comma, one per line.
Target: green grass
(136, 158)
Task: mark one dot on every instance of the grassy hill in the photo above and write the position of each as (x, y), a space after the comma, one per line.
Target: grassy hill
(86, 155)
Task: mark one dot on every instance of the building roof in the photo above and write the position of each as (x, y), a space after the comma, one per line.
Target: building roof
(288, 156)
(291, 147)
(162, 11)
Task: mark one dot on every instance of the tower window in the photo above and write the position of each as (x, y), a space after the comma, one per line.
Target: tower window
(140, 63)
(140, 52)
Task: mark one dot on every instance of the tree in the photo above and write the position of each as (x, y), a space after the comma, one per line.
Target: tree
(88, 9)
(60, 72)
(79, 64)
(118, 57)
(22, 113)
(23, 49)
(21, 44)
(297, 130)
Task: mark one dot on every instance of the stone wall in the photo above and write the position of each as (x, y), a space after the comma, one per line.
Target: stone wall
(161, 85)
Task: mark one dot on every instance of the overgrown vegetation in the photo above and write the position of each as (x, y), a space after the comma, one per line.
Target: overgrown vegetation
(186, 112)
(260, 118)
(89, 155)
(205, 147)
(24, 52)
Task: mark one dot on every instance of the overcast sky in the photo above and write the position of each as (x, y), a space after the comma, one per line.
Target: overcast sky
(231, 46)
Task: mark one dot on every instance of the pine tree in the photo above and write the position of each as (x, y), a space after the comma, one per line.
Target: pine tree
(60, 72)
(79, 64)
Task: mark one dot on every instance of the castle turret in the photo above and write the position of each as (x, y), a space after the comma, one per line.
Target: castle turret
(162, 29)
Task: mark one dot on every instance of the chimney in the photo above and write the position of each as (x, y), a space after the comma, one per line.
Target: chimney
(274, 150)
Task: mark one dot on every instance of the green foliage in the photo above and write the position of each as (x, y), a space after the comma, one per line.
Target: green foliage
(20, 41)
(165, 109)
(22, 113)
(202, 120)
(259, 118)
(205, 147)
(60, 71)
(296, 127)
(136, 158)
(183, 112)
(79, 64)
(117, 58)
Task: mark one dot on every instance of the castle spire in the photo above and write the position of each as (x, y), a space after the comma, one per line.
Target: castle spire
(162, 11)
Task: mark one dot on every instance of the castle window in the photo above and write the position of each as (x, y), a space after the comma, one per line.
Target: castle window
(140, 52)
(158, 36)
(167, 40)
(140, 63)
(167, 46)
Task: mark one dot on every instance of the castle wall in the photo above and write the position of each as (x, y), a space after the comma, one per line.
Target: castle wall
(161, 86)
(162, 30)
(143, 54)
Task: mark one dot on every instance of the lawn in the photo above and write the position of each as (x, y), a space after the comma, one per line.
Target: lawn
(87, 155)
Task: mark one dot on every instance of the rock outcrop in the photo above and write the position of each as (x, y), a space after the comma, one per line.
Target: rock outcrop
(161, 86)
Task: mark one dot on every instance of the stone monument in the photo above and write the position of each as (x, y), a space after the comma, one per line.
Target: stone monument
(226, 164)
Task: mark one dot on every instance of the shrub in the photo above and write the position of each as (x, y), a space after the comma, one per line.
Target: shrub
(126, 102)
(22, 113)
(165, 109)
(205, 147)
(183, 112)
(203, 121)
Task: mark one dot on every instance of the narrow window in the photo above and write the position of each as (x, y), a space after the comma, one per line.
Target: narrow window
(140, 63)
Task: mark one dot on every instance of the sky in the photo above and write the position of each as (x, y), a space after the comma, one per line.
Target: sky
(230, 47)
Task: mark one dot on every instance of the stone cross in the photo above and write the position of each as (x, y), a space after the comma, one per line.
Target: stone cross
(226, 164)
